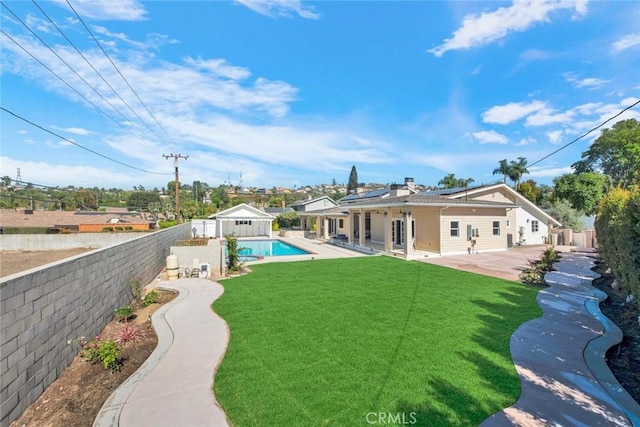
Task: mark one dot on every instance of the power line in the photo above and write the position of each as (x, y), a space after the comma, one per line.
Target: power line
(586, 133)
(71, 68)
(68, 85)
(117, 69)
(94, 69)
(78, 145)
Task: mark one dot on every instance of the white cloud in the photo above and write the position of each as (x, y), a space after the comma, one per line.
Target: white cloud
(525, 141)
(505, 114)
(626, 42)
(541, 172)
(476, 70)
(490, 137)
(479, 30)
(548, 116)
(280, 8)
(123, 10)
(74, 130)
(153, 41)
(555, 136)
(589, 82)
(219, 67)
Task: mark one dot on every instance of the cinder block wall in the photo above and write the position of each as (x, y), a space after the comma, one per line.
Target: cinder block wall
(42, 310)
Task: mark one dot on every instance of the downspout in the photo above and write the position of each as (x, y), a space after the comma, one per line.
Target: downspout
(440, 221)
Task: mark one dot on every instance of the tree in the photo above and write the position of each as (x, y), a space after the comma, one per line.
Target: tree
(616, 153)
(502, 169)
(464, 182)
(583, 190)
(449, 181)
(352, 186)
(517, 169)
(568, 216)
(85, 199)
(141, 200)
(530, 190)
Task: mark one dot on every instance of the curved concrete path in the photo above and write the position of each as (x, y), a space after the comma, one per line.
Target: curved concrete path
(560, 357)
(174, 387)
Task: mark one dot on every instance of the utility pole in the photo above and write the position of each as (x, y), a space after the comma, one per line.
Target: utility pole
(176, 157)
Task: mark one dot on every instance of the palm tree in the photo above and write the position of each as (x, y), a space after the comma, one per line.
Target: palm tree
(503, 169)
(517, 169)
(464, 182)
(449, 181)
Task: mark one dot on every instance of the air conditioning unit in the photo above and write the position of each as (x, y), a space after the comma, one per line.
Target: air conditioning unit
(205, 270)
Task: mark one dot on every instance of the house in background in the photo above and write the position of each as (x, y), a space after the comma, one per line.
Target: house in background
(73, 221)
(303, 206)
(527, 224)
(241, 220)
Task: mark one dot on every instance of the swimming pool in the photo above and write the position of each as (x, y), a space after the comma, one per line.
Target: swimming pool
(262, 248)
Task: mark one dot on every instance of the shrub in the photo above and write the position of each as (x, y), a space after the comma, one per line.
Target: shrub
(193, 242)
(107, 229)
(275, 226)
(618, 230)
(233, 253)
(135, 284)
(119, 228)
(130, 334)
(109, 353)
(534, 275)
(150, 298)
(128, 228)
(124, 313)
(98, 350)
(166, 224)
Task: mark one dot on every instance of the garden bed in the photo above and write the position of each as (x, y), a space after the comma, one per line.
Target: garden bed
(75, 398)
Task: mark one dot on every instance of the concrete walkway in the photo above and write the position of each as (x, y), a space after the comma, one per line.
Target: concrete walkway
(560, 357)
(174, 387)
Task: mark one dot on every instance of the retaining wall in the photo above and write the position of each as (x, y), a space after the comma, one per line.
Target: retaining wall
(56, 242)
(43, 308)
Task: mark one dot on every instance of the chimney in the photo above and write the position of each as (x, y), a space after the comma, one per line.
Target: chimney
(397, 190)
(410, 183)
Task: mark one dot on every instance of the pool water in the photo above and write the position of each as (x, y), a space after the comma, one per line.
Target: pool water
(268, 248)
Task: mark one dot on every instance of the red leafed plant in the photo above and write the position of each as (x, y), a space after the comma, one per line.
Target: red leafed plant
(129, 334)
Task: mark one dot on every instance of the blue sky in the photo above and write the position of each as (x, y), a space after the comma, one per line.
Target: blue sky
(291, 93)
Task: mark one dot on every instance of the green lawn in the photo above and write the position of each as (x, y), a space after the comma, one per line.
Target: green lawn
(328, 342)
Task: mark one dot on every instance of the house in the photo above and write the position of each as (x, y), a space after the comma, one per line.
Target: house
(442, 222)
(241, 220)
(73, 221)
(324, 202)
(526, 225)
(398, 221)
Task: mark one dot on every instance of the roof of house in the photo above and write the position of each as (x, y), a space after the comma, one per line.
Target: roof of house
(309, 201)
(425, 200)
(243, 211)
(333, 211)
(36, 218)
(520, 199)
(277, 211)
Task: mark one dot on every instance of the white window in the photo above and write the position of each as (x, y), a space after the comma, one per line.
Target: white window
(535, 227)
(455, 229)
(243, 222)
(496, 228)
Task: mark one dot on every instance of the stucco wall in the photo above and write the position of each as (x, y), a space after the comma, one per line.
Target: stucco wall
(55, 242)
(428, 229)
(44, 308)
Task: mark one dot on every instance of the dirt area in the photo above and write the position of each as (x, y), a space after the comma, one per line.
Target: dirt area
(622, 359)
(75, 398)
(12, 262)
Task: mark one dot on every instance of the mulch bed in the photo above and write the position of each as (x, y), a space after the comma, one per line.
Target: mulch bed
(623, 359)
